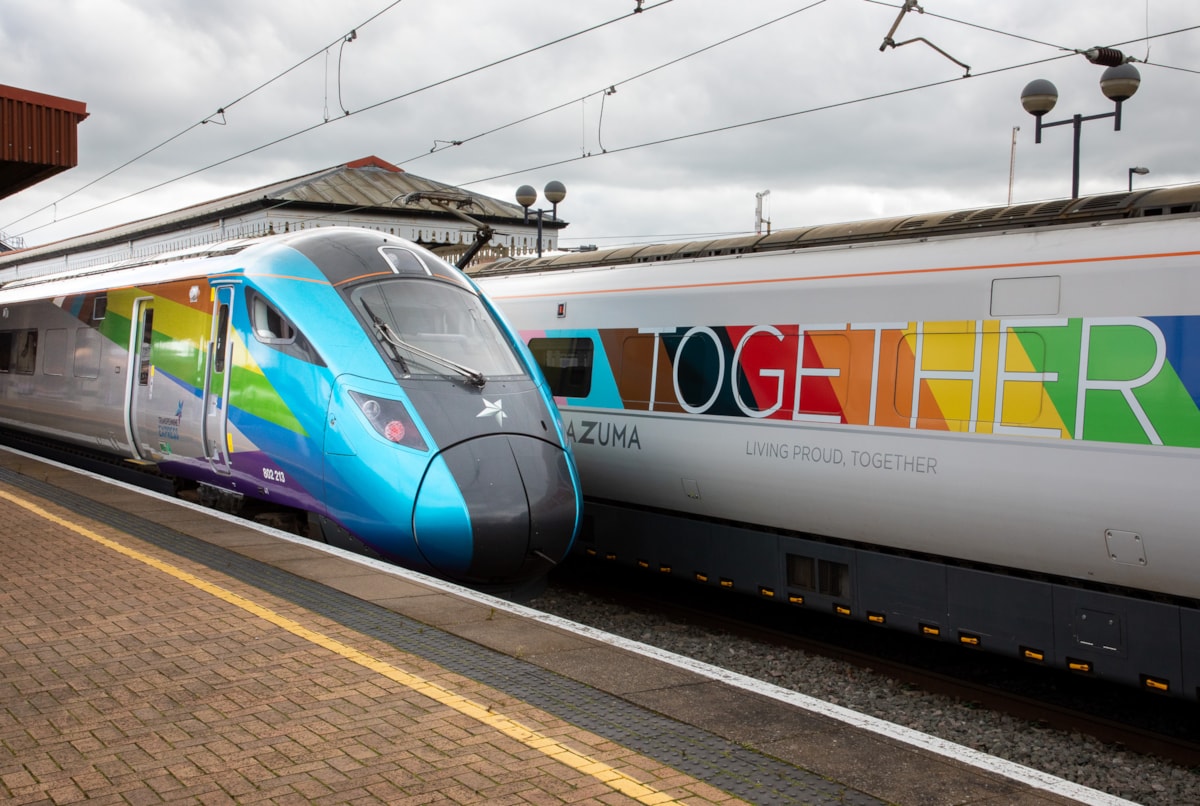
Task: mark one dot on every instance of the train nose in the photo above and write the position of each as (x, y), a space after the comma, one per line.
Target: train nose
(517, 516)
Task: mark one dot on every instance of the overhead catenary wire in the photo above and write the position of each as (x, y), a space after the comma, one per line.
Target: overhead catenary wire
(760, 121)
(1147, 38)
(1171, 67)
(345, 40)
(210, 118)
(638, 11)
(612, 85)
(445, 143)
(974, 25)
(618, 150)
(797, 113)
(1065, 54)
(610, 89)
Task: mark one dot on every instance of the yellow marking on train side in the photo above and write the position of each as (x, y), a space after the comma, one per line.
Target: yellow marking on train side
(625, 784)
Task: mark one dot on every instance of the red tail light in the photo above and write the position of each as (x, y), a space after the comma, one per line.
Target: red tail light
(391, 420)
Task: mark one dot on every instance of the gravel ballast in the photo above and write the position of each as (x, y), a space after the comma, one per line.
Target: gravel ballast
(1070, 756)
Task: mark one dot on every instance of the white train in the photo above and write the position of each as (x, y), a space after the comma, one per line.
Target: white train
(980, 426)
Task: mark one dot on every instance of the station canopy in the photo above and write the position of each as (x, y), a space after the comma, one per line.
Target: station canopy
(37, 137)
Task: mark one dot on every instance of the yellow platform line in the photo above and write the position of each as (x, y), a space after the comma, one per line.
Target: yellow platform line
(614, 778)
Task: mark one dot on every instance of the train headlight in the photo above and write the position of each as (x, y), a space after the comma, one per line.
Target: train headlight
(390, 420)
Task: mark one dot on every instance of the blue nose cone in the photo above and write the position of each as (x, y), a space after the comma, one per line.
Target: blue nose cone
(509, 513)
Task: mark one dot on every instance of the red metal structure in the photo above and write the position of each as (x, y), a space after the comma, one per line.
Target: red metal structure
(37, 137)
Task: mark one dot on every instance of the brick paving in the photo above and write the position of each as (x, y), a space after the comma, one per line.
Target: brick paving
(120, 684)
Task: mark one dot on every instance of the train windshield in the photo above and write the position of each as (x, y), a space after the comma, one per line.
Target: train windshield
(434, 329)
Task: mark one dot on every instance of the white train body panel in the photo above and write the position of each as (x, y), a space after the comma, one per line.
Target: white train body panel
(942, 474)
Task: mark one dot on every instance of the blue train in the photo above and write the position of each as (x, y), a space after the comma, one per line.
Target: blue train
(341, 374)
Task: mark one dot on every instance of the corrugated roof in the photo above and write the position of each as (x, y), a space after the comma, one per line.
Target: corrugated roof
(362, 185)
(372, 182)
(37, 137)
(367, 186)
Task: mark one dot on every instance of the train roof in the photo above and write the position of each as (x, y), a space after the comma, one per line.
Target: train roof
(1084, 210)
(177, 258)
(210, 259)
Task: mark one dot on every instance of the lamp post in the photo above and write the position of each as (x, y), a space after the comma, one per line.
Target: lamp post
(526, 197)
(1118, 83)
(1139, 172)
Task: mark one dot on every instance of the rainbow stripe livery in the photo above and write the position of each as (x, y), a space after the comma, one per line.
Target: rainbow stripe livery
(1118, 380)
(978, 425)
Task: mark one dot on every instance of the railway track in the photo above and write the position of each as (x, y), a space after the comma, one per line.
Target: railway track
(1045, 699)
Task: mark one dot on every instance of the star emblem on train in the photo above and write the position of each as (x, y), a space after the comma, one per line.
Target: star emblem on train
(491, 409)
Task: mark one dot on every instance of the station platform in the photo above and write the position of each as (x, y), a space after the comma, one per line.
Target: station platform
(152, 651)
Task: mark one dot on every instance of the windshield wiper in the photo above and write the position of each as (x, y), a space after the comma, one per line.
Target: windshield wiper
(382, 329)
(474, 376)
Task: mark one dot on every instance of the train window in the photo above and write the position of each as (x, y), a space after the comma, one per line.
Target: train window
(269, 325)
(939, 378)
(100, 307)
(6, 351)
(144, 350)
(420, 262)
(403, 261)
(435, 330)
(566, 363)
(87, 352)
(27, 342)
(222, 336)
(937, 365)
(941, 390)
(273, 328)
(54, 361)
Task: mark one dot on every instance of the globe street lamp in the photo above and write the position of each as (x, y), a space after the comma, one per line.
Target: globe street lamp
(1118, 83)
(526, 197)
(1139, 172)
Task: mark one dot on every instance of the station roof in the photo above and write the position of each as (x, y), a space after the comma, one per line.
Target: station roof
(365, 187)
(37, 137)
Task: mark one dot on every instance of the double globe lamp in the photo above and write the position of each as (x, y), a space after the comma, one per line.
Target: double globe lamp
(1118, 83)
(527, 197)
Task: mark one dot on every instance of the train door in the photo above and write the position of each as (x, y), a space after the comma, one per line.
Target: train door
(215, 424)
(139, 416)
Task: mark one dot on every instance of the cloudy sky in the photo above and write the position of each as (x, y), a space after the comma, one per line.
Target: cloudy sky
(799, 101)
